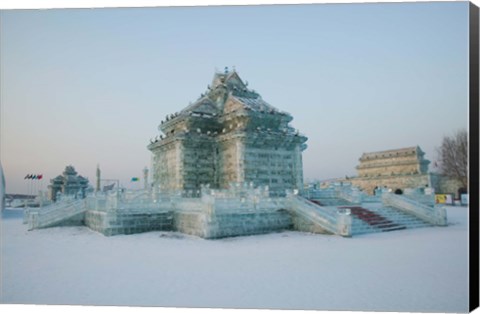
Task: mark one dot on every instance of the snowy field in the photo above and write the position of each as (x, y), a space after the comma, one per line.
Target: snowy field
(417, 270)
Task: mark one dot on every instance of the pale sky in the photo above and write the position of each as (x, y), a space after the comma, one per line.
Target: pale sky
(90, 86)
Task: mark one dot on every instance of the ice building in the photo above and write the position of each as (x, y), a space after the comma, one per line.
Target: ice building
(397, 169)
(230, 164)
(400, 169)
(228, 135)
(68, 183)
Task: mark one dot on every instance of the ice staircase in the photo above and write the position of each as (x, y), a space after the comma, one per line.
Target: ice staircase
(55, 214)
(391, 214)
(382, 219)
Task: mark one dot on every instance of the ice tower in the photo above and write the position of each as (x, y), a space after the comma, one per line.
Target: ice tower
(228, 135)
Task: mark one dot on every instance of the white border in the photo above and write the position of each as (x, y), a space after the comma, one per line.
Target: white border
(48, 4)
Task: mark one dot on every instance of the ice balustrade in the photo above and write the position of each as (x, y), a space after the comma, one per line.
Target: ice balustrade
(144, 200)
(434, 215)
(63, 209)
(239, 197)
(127, 200)
(236, 189)
(328, 192)
(423, 195)
(44, 205)
(188, 204)
(350, 194)
(343, 191)
(336, 221)
(238, 205)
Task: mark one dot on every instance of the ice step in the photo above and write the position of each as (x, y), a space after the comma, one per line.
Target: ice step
(402, 218)
(382, 219)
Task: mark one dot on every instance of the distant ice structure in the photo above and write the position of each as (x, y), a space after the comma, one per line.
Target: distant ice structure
(69, 183)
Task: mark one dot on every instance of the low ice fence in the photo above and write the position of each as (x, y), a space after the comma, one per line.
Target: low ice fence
(44, 216)
(332, 220)
(434, 215)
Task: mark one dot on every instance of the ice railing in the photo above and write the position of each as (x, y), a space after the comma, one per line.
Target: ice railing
(238, 198)
(425, 196)
(42, 203)
(236, 189)
(336, 221)
(129, 200)
(350, 194)
(434, 215)
(62, 200)
(341, 191)
(64, 208)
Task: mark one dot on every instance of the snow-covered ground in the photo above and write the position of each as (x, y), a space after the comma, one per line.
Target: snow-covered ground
(419, 270)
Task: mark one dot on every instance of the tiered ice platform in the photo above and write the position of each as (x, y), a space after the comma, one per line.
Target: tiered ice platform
(242, 210)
